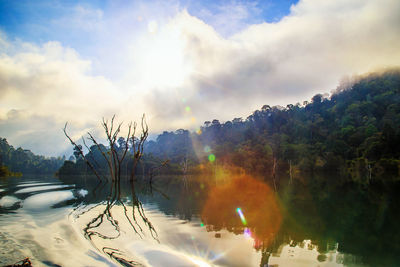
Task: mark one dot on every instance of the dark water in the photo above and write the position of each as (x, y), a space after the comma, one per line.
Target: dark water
(198, 221)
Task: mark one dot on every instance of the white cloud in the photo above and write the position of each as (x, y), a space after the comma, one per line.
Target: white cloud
(305, 53)
(42, 88)
(229, 17)
(185, 71)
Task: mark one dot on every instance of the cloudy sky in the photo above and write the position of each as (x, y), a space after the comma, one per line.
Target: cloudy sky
(179, 62)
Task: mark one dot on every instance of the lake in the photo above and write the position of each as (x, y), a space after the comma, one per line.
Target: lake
(198, 221)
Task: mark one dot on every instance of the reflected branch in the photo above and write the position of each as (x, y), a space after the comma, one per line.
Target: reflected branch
(117, 255)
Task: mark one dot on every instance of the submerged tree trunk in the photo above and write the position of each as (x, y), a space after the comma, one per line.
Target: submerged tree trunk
(274, 174)
(369, 169)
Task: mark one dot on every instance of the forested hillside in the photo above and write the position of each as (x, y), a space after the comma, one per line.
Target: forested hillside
(356, 131)
(24, 161)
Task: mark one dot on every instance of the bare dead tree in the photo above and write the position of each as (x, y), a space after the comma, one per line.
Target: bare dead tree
(138, 144)
(153, 170)
(274, 173)
(78, 148)
(112, 156)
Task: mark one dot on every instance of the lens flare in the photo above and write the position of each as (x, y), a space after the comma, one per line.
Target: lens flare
(207, 149)
(187, 108)
(247, 232)
(250, 199)
(211, 157)
(242, 218)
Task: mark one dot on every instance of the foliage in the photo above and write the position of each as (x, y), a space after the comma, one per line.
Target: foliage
(355, 131)
(14, 161)
(357, 123)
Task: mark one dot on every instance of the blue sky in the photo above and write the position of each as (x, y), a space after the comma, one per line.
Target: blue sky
(34, 20)
(39, 21)
(179, 62)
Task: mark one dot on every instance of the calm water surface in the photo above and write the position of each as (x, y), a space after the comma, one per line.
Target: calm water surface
(187, 221)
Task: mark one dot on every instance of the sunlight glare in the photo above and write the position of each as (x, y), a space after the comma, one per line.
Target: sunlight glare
(161, 57)
(152, 26)
(199, 262)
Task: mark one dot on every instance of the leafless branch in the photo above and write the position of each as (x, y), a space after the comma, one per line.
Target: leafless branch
(80, 151)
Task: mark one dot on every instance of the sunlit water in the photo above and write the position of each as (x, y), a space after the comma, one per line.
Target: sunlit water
(177, 222)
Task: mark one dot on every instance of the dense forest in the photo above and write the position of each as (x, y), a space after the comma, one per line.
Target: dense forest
(21, 161)
(356, 131)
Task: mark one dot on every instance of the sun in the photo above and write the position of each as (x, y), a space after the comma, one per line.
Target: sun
(161, 57)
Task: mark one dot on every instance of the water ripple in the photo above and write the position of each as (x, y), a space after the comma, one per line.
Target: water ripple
(41, 188)
(8, 201)
(47, 200)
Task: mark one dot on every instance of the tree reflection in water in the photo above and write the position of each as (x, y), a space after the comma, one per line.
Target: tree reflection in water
(105, 225)
(116, 158)
(353, 223)
(115, 199)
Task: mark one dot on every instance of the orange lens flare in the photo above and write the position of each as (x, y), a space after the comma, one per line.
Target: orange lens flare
(251, 199)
